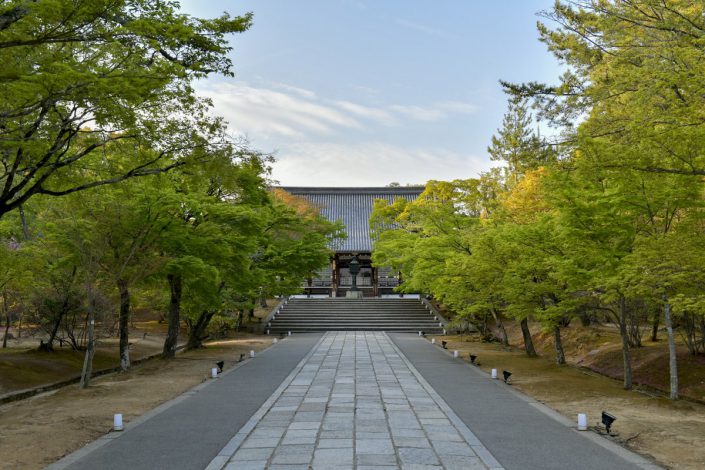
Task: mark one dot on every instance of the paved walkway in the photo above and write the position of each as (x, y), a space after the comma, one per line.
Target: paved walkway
(186, 433)
(356, 403)
(352, 400)
(519, 431)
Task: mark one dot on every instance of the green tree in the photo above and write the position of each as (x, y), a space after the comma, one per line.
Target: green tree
(83, 81)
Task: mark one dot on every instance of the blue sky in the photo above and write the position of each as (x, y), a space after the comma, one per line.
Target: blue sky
(366, 92)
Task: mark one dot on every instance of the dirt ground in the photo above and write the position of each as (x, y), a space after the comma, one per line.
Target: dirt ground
(672, 433)
(66, 419)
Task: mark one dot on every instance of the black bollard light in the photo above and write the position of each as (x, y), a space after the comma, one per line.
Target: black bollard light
(506, 375)
(607, 420)
(444, 344)
(242, 358)
(473, 358)
(220, 365)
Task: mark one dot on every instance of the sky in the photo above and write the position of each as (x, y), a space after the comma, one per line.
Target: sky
(369, 92)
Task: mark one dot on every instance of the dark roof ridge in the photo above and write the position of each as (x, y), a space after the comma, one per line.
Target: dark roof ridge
(354, 189)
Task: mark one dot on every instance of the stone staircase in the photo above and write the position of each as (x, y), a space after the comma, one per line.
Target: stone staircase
(340, 314)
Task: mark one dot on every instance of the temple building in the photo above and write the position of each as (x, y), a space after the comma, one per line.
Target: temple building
(353, 207)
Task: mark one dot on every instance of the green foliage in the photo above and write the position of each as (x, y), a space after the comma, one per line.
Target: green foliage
(85, 81)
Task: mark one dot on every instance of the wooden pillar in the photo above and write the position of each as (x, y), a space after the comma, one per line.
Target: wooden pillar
(335, 275)
(375, 283)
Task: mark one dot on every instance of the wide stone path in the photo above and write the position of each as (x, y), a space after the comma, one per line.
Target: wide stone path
(355, 402)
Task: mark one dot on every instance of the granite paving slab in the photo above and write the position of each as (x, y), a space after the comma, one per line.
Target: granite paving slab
(362, 406)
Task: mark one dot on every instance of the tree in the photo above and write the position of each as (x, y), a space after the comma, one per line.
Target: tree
(516, 143)
(83, 77)
(635, 71)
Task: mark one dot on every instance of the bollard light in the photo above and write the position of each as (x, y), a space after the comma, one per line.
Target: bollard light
(582, 422)
(455, 353)
(267, 330)
(494, 374)
(444, 332)
(607, 420)
(473, 358)
(444, 344)
(433, 340)
(214, 373)
(506, 375)
(117, 422)
(435, 317)
(220, 365)
(242, 357)
(441, 324)
(252, 353)
(275, 340)
(288, 333)
(420, 333)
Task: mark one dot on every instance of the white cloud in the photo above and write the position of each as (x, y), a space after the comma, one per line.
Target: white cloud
(423, 28)
(282, 110)
(435, 112)
(419, 113)
(370, 164)
(299, 91)
(262, 112)
(376, 114)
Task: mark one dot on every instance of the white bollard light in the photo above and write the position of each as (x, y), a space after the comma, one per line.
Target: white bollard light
(288, 333)
(268, 331)
(435, 318)
(494, 374)
(275, 340)
(252, 353)
(582, 422)
(433, 340)
(419, 333)
(444, 332)
(117, 422)
(214, 373)
(441, 324)
(455, 353)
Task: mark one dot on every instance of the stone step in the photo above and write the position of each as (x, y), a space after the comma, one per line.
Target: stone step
(354, 314)
(402, 328)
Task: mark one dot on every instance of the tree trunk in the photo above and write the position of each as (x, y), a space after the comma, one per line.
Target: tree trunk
(90, 348)
(502, 330)
(654, 326)
(23, 219)
(672, 359)
(173, 316)
(124, 324)
(49, 345)
(560, 354)
(198, 331)
(528, 342)
(6, 311)
(626, 352)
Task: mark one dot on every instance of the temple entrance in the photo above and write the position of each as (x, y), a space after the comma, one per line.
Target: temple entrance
(352, 207)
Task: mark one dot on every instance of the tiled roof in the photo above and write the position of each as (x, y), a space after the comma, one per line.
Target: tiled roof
(353, 206)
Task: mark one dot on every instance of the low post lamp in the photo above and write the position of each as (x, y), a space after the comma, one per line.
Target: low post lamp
(354, 271)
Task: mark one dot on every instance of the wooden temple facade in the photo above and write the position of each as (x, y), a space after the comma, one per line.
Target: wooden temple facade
(353, 207)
